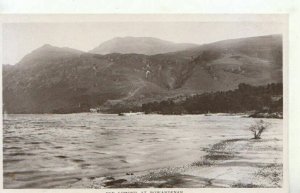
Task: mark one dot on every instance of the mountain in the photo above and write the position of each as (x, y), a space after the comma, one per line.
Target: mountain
(63, 80)
(139, 45)
(254, 60)
(48, 54)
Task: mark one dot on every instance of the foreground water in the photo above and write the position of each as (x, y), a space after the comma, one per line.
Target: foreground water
(47, 151)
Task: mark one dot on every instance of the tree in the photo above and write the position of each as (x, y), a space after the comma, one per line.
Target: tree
(258, 128)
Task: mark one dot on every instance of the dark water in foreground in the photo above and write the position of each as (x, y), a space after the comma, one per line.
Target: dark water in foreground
(46, 151)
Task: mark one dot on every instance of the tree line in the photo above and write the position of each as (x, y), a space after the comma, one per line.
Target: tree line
(245, 98)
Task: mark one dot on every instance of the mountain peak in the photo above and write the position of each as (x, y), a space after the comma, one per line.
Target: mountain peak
(139, 45)
(47, 46)
(49, 52)
(44, 47)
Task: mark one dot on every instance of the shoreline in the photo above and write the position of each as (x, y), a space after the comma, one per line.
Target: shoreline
(276, 115)
(225, 165)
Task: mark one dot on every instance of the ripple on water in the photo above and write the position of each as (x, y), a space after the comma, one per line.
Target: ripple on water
(77, 160)
(58, 147)
(61, 156)
(20, 154)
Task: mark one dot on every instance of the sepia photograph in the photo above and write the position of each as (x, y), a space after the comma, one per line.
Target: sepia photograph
(144, 104)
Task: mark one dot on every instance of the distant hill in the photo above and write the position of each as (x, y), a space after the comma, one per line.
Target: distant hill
(63, 80)
(139, 45)
(47, 54)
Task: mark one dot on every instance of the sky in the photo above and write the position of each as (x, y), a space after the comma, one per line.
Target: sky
(19, 39)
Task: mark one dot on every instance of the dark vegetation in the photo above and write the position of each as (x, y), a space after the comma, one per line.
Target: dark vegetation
(246, 98)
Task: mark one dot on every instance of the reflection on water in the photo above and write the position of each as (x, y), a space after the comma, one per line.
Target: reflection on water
(45, 151)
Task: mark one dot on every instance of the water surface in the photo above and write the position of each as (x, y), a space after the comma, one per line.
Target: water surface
(46, 151)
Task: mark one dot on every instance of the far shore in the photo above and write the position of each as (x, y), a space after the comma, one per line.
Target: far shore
(275, 115)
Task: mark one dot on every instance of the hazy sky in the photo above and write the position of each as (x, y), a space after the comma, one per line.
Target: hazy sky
(20, 39)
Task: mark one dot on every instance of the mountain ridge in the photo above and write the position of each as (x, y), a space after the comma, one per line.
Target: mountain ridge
(69, 81)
